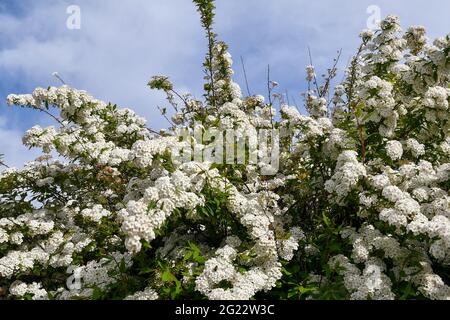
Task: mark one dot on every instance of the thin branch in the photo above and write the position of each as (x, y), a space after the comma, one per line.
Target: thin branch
(165, 116)
(331, 73)
(206, 9)
(4, 164)
(52, 116)
(352, 105)
(352, 78)
(311, 63)
(211, 43)
(56, 75)
(270, 95)
(269, 90)
(245, 76)
(181, 98)
(153, 131)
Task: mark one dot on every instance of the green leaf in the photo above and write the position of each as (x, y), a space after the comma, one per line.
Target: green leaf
(326, 220)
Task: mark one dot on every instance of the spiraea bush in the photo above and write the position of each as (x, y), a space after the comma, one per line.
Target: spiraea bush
(358, 207)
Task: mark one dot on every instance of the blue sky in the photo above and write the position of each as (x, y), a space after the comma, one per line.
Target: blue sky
(121, 44)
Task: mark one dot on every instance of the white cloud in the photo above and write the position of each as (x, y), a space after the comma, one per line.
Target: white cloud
(119, 47)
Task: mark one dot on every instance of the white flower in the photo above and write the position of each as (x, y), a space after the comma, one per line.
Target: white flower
(415, 147)
(394, 149)
(96, 213)
(147, 294)
(310, 73)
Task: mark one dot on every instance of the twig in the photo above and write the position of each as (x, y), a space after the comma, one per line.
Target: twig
(245, 76)
(164, 115)
(181, 98)
(4, 164)
(56, 75)
(270, 94)
(211, 44)
(352, 105)
(311, 63)
(268, 85)
(153, 131)
(52, 116)
(331, 73)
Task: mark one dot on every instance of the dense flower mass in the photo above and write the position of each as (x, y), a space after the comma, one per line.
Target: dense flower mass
(359, 207)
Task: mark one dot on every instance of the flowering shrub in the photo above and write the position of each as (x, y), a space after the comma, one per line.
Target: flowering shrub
(358, 208)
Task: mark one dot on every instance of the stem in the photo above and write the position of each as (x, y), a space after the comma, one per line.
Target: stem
(351, 104)
(210, 66)
(4, 164)
(269, 90)
(333, 69)
(311, 63)
(270, 94)
(153, 131)
(245, 76)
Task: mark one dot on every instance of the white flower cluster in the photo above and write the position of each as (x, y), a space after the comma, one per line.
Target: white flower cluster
(54, 252)
(38, 137)
(147, 294)
(96, 213)
(387, 45)
(371, 283)
(19, 289)
(254, 212)
(143, 151)
(377, 95)
(244, 285)
(96, 274)
(142, 217)
(317, 107)
(394, 149)
(85, 136)
(347, 174)
(369, 239)
(310, 73)
(423, 210)
(417, 149)
(416, 38)
(288, 246)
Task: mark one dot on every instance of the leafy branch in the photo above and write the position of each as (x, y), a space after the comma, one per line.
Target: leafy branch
(206, 9)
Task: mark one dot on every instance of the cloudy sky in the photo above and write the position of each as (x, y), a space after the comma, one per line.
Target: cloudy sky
(121, 44)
